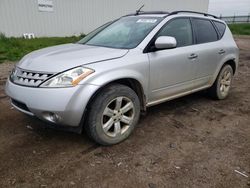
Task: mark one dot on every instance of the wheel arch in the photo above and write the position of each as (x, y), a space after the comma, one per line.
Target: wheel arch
(132, 83)
(232, 62)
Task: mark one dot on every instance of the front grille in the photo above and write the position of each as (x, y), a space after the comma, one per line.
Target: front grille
(20, 105)
(29, 78)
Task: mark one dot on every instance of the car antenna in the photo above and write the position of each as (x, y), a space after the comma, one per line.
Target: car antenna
(139, 10)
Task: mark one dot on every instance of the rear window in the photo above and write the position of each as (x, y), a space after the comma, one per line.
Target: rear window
(204, 30)
(221, 28)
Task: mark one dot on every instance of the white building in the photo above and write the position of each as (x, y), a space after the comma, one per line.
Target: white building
(73, 17)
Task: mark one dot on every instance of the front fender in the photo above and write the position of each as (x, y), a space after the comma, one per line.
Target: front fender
(107, 77)
(135, 67)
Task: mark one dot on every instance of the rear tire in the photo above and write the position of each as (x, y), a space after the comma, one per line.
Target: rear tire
(113, 115)
(221, 87)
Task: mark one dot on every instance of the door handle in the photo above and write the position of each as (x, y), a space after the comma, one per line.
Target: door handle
(193, 56)
(221, 51)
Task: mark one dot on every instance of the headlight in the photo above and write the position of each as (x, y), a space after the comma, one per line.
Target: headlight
(69, 78)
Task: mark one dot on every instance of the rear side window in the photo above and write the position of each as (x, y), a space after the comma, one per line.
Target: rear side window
(204, 30)
(180, 29)
(221, 28)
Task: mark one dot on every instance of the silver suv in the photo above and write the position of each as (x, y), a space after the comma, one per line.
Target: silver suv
(104, 81)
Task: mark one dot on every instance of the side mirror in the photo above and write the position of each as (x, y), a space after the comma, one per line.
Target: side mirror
(165, 42)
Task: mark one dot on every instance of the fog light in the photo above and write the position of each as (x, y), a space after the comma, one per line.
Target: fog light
(52, 117)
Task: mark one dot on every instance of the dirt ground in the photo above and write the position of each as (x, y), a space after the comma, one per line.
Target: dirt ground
(189, 142)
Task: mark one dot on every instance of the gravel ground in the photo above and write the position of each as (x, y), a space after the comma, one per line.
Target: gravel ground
(189, 142)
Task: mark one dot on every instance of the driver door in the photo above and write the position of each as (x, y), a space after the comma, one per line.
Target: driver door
(172, 71)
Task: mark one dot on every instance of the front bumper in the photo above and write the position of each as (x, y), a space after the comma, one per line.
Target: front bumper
(66, 105)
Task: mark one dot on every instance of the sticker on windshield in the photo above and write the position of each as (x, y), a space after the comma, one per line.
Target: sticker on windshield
(146, 21)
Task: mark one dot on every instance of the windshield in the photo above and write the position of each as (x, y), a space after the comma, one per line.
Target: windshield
(125, 33)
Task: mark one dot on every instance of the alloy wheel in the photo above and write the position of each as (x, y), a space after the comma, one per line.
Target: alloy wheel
(225, 82)
(118, 116)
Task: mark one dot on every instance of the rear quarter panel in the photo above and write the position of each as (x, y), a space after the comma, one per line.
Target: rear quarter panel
(231, 52)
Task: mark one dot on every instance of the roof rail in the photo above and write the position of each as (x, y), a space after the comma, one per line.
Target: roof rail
(147, 12)
(187, 11)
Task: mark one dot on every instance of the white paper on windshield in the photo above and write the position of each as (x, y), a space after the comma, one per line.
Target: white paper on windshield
(146, 20)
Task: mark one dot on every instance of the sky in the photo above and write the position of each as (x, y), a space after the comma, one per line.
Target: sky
(229, 7)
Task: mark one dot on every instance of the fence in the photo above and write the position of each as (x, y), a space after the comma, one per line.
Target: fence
(236, 19)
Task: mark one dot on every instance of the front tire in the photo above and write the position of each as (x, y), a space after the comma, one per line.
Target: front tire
(113, 114)
(221, 87)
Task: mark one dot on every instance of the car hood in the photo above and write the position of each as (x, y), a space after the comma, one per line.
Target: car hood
(62, 57)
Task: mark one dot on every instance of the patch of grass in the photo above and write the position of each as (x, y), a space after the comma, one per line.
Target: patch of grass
(14, 49)
(240, 29)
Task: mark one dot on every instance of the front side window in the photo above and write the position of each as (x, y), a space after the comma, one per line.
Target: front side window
(125, 33)
(204, 30)
(180, 29)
